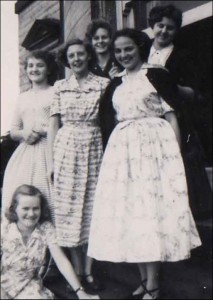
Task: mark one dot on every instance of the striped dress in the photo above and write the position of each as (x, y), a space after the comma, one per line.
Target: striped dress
(28, 164)
(77, 157)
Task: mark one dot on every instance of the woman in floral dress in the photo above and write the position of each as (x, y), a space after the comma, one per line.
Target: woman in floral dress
(141, 212)
(75, 153)
(24, 241)
(28, 164)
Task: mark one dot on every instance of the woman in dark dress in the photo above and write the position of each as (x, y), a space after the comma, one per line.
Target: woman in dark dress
(99, 35)
(179, 87)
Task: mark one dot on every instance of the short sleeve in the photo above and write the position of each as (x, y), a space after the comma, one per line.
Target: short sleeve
(49, 232)
(55, 106)
(165, 107)
(17, 123)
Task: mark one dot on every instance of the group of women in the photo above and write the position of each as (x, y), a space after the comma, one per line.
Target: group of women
(130, 203)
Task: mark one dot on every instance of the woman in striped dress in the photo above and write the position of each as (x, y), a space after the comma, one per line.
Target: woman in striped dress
(75, 146)
(28, 164)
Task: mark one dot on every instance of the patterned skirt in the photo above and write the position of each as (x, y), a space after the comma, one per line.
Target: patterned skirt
(77, 158)
(28, 165)
(141, 211)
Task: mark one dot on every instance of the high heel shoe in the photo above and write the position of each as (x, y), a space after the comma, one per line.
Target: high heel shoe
(140, 295)
(91, 287)
(150, 293)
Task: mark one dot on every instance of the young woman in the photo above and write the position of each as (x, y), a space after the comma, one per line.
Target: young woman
(141, 185)
(180, 88)
(75, 152)
(28, 164)
(99, 35)
(24, 242)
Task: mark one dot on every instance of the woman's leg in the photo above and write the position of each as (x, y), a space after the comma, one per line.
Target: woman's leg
(89, 281)
(153, 270)
(77, 260)
(143, 274)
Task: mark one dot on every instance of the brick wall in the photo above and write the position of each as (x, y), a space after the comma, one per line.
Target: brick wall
(37, 10)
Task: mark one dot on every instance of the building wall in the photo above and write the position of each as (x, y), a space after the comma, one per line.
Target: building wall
(37, 10)
(77, 15)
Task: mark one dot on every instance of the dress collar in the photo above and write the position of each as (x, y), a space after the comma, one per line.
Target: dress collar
(165, 50)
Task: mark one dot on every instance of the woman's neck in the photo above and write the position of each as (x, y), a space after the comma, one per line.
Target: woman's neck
(159, 47)
(102, 59)
(40, 86)
(25, 230)
(131, 73)
(81, 78)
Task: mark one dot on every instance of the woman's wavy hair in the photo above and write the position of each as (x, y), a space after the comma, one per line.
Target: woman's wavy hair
(157, 13)
(94, 26)
(27, 190)
(141, 39)
(49, 59)
(62, 52)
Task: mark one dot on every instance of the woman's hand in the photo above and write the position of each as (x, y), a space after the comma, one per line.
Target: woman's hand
(113, 71)
(30, 136)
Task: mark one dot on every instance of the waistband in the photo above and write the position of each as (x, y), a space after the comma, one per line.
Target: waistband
(83, 123)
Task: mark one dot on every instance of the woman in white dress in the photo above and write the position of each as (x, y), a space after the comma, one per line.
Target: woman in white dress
(141, 212)
(28, 164)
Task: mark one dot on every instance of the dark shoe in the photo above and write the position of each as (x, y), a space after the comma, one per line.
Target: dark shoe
(150, 293)
(139, 296)
(91, 287)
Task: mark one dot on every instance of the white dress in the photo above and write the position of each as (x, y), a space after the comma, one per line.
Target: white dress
(141, 211)
(28, 164)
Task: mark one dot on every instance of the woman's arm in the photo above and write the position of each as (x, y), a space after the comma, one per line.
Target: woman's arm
(29, 136)
(18, 132)
(54, 125)
(186, 93)
(172, 119)
(66, 269)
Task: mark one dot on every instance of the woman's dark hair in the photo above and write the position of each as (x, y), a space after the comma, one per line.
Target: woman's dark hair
(141, 39)
(94, 26)
(157, 13)
(62, 52)
(50, 61)
(27, 190)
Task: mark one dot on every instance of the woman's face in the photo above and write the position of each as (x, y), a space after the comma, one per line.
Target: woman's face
(164, 32)
(36, 70)
(77, 58)
(101, 41)
(127, 53)
(28, 211)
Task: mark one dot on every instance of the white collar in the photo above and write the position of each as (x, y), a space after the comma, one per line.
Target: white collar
(164, 50)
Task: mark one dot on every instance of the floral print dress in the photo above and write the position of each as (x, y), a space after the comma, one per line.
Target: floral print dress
(21, 263)
(141, 211)
(77, 157)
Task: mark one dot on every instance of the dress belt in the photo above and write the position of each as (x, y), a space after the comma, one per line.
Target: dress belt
(83, 123)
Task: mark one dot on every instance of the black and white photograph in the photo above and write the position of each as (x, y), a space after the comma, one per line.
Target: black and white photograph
(106, 149)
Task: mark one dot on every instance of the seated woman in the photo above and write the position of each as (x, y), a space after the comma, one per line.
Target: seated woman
(24, 241)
